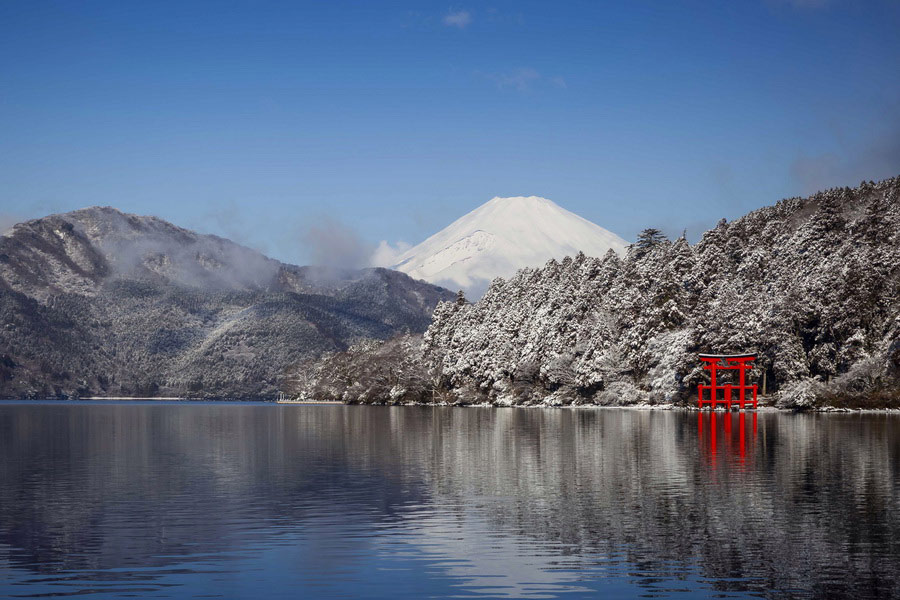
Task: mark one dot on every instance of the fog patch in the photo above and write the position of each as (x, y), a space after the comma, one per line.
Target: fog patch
(330, 243)
(205, 262)
(151, 248)
(386, 255)
(229, 219)
(7, 221)
(874, 155)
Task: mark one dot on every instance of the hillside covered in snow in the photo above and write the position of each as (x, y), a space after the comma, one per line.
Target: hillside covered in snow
(100, 302)
(811, 284)
(500, 237)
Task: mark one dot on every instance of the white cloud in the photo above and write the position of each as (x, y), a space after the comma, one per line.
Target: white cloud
(386, 255)
(459, 19)
(521, 79)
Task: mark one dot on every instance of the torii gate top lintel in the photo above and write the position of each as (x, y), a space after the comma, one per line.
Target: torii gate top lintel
(727, 356)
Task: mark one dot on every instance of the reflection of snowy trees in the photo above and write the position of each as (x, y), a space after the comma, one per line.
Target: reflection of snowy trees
(811, 511)
(812, 507)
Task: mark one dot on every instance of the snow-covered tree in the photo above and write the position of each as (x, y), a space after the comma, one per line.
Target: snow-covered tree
(810, 284)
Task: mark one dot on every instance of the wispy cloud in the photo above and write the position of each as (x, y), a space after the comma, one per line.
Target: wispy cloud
(559, 82)
(330, 243)
(461, 19)
(523, 79)
(874, 154)
(494, 16)
(7, 220)
(386, 255)
(801, 4)
(227, 219)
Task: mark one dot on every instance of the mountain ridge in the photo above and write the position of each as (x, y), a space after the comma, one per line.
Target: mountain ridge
(102, 302)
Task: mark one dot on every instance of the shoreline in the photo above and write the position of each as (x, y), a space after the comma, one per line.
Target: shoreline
(327, 402)
(272, 401)
(647, 407)
(142, 398)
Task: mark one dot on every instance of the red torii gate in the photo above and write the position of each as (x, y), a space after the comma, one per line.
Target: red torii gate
(726, 362)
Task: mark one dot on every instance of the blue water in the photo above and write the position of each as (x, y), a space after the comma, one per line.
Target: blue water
(241, 500)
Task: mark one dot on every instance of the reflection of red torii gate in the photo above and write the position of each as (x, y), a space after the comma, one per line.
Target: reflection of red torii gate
(726, 362)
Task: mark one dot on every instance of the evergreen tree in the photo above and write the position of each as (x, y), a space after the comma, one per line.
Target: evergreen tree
(647, 240)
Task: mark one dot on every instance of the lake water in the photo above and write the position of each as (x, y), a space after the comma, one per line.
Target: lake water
(279, 501)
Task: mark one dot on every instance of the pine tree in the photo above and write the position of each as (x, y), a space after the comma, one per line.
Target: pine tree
(647, 240)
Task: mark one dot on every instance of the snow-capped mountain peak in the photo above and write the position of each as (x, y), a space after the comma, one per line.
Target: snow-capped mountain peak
(500, 237)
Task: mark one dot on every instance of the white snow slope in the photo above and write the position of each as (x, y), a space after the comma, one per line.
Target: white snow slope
(500, 237)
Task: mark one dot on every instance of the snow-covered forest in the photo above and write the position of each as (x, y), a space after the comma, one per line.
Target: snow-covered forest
(811, 284)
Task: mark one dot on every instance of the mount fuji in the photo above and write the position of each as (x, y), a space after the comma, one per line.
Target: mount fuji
(500, 237)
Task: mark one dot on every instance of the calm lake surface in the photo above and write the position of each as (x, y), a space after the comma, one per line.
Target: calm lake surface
(278, 501)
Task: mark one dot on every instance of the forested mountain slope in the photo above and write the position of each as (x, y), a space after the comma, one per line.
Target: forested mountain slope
(811, 284)
(99, 302)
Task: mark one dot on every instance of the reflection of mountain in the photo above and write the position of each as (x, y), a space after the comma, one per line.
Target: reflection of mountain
(813, 508)
(103, 487)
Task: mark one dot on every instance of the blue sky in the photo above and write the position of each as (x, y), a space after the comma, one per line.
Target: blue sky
(259, 120)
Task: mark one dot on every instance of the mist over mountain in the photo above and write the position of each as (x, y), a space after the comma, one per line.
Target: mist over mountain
(810, 284)
(100, 302)
(500, 237)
